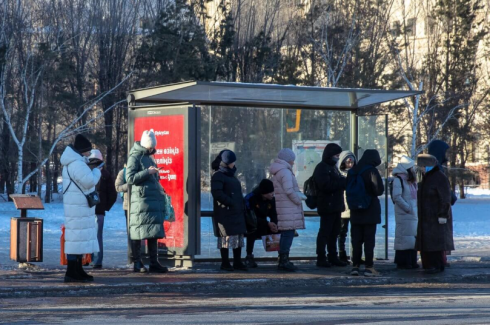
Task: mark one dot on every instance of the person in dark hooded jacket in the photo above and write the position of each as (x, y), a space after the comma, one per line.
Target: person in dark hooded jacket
(331, 186)
(262, 202)
(364, 221)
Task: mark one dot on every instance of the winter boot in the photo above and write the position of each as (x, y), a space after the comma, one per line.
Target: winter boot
(343, 257)
(71, 274)
(225, 260)
(321, 261)
(82, 272)
(250, 262)
(155, 266)
(237, 260)
(334, 260)
(284, 264)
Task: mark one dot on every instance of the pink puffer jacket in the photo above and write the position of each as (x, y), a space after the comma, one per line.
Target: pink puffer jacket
(289, 206)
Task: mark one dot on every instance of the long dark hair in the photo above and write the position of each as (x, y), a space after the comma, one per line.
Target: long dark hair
(412, 177)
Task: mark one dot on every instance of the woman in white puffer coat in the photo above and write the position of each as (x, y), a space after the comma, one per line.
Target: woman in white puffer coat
(405, 200)
(80, 225)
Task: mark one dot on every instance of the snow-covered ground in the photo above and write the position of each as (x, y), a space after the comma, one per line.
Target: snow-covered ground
(471, 231)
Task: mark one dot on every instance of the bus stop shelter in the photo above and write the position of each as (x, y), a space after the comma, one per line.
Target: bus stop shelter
(194, 121)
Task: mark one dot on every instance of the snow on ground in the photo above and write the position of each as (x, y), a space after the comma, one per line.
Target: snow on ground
(471, 231)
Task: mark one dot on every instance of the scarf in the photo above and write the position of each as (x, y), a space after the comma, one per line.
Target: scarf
(227, 170)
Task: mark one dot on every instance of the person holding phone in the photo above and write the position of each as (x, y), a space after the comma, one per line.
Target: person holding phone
(147, 202)
(434, 231)
(108, 196)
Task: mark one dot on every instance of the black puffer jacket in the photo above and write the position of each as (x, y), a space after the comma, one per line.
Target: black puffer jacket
(228, 205)
(107, 193)
(330, 183)
(374, 188)
(263, 208)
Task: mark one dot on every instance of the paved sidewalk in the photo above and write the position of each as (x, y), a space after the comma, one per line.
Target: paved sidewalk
(206, 277)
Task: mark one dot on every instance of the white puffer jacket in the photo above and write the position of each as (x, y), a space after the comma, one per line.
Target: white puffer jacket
(405, 212)
(80, 224)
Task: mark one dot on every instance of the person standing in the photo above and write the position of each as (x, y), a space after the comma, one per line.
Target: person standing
(331, 186)
(80, 233)
(228, 210)
(108, 196)
(289, 205)
(405, 199)
(434, 231)
(262, 202)
(364, 221)
(122, 187)
(147, 206)
(347, 160)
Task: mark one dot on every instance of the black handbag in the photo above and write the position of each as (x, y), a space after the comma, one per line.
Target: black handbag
(93, 198)
(250, 221)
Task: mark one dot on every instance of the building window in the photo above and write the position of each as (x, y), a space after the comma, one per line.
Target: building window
(395, 28)
(430, 26)
(410, 28)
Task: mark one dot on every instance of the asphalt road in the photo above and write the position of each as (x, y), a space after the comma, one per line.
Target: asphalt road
(401, 304)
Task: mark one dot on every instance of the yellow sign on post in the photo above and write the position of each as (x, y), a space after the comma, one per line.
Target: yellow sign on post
(297, 122)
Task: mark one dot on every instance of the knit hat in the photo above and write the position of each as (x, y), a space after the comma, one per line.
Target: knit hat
(82, 144)
(95, 156)
(406, 163)
(266, 186)
(228, 157)
(148, 139)
(287, 155)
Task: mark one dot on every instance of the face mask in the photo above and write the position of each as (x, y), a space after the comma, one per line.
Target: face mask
(428, 168)
(335, 159)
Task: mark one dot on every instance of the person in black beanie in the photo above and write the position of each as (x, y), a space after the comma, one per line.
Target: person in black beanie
(82, 145)
(228, 210)
(262, 202)
(331, 186)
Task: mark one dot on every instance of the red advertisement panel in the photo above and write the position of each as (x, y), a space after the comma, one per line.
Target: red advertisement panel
(169, 131)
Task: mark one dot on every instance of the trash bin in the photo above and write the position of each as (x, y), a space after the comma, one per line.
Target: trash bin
(26, 234)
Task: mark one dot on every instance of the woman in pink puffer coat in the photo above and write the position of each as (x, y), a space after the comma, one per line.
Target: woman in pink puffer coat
(289, 204)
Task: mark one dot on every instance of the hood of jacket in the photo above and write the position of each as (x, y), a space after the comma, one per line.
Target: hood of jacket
(279, 165)
(331, 150)
(70, 155)
(403, 166)
(138, 150)
(370, 157)
(343, 156)
(438, 148)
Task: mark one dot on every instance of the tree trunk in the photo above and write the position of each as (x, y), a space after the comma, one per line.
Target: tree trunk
(109, 119)
(47, 195)
(20, 186)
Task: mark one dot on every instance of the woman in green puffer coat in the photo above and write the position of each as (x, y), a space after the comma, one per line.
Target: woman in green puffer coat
(147, 202)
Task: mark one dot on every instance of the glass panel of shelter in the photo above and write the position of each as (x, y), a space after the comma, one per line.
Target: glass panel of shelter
(257, 135)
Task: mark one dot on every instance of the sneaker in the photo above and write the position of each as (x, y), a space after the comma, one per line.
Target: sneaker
(323, 263)
(336, 262)
(240, 266)
(227, 267)
(139, 267)
(354, 271)
(157, 268)
(371, 272)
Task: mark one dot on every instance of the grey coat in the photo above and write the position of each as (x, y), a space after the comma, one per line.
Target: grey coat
(122, 187)
(405, 212)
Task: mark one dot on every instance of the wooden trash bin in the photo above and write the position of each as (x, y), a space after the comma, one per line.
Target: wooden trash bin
(26, 234)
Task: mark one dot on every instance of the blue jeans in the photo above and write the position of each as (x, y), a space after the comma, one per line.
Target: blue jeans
(286, 242)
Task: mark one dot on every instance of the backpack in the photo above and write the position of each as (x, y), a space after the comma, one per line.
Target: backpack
(391, 187)
(357, 197)
(311, 192)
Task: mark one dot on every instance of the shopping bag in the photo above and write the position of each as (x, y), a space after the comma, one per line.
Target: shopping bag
(86, 259)
(271, 242)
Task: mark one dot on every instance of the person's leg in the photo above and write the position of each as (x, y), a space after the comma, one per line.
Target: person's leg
(225, 260)
(72, 274)
(284, 247)
(249, 260)
(130, 244)
(369, 243)
(322, 238)
(344, 230)
(237, 260)
(100, 231)
(81, 271)
(332, 240)
(138, 263)
(155, 265)
(356, 236)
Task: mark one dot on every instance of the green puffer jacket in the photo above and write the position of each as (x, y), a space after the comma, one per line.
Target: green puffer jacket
(147, 208)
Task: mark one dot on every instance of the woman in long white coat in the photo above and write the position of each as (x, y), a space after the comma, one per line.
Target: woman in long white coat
(405, 199)
(80, 226)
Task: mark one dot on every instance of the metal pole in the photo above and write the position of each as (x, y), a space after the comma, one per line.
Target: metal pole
(386, 188)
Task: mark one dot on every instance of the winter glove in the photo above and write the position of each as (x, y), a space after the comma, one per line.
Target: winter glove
(442, 221)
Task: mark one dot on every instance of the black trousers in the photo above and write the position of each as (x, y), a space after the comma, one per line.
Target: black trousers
(130, 243)
(344, 230)
(327, 235)
(363, 234)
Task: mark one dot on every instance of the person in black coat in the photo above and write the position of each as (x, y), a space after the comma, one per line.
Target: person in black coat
(262, 202)
(228, 210)
(108, 196)
(331, 186)
(365, 221)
